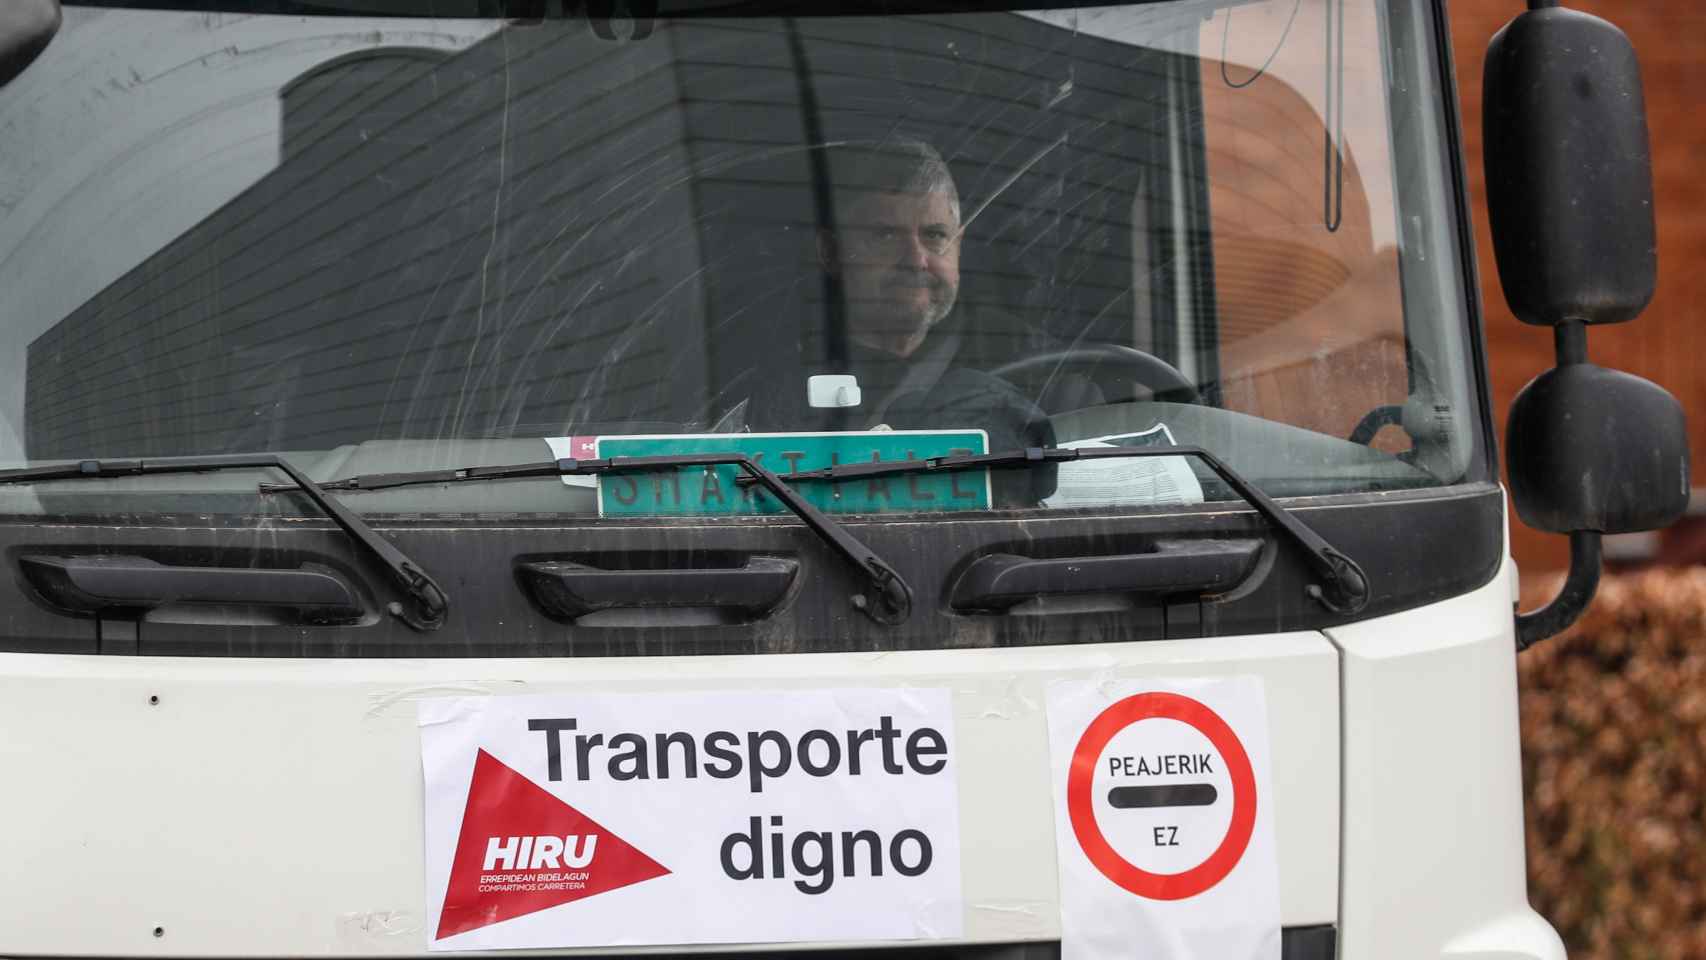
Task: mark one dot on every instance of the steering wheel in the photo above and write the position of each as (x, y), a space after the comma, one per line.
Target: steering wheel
(1143, 368)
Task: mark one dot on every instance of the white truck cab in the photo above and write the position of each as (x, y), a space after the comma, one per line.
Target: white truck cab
(921, 478)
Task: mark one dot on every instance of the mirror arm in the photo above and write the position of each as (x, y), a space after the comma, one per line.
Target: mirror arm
(1570, 345)
(1567, 606)
(1570, 342)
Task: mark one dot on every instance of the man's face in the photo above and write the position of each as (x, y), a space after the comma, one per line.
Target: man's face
(898, 256)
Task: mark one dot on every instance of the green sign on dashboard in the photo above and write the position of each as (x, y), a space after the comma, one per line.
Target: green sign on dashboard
(712, 491)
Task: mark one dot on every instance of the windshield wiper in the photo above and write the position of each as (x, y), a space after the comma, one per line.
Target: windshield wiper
(430, 602)
(1346, 589)
(889, 601)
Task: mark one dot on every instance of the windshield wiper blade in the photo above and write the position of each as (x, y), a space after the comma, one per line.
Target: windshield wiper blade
(430, 602)
(889, 601)
(1346, 590)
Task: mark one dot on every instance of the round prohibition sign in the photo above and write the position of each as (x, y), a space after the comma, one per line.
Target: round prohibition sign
(1081, 810)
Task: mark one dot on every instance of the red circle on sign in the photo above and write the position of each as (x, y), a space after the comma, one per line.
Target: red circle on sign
(1161, 886)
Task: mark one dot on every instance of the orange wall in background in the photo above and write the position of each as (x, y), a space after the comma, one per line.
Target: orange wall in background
(1310, 318)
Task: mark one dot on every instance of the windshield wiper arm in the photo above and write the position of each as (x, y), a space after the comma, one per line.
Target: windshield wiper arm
(430, 602)
(1346, 589)
(889, 602)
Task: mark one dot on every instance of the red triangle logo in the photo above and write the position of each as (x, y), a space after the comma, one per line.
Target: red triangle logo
(522, 850)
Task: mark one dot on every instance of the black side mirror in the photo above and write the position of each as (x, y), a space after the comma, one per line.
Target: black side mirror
(26, 26)
(1569, 176)
(1594, 449)
(1589, 451)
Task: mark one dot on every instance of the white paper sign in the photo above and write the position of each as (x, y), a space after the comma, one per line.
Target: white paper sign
(745, 817)
(1164, 819)
(575, 448)
(1125, 480)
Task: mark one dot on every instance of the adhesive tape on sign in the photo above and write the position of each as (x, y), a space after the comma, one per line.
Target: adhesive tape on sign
(1161, 796)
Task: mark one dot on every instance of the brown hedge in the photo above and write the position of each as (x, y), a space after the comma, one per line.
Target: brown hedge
(1614, 762)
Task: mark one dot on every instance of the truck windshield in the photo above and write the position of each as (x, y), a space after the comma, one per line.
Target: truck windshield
(379, 244)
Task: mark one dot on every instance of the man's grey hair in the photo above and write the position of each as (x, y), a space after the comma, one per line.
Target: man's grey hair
(895, 164)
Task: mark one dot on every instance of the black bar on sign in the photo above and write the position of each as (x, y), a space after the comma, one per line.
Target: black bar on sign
(1163, 795)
